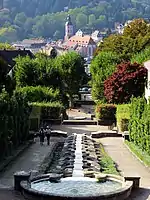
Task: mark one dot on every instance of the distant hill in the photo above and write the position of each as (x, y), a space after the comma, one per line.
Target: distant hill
(39, 7)
(21, 19)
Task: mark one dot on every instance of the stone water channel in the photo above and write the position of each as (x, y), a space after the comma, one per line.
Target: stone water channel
(75, 174)
(78, 157)
(78, 161)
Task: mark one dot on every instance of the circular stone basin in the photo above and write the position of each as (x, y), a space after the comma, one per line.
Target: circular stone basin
(77, 188)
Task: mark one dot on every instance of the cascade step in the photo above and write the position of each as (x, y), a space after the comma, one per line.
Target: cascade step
(79, 122)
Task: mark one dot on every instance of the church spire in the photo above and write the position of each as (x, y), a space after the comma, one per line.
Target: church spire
(68, 28)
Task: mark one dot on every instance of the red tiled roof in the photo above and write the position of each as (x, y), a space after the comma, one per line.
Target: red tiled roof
(80, 40)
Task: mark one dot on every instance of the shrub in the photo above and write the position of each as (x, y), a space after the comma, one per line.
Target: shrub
(139, 124)
(14, 122)
(129, 80)
(123, 116)
(124, 125)
(51, 110)
(39, 93)
(105, 111)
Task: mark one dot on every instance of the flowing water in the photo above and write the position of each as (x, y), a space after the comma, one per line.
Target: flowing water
(78, 161)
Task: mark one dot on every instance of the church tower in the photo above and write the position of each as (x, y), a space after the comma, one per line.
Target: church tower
(68, 28)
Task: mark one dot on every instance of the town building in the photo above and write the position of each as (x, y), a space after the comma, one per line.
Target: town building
(83, 44)
(9, 57)
(34, 45)
(69, 30)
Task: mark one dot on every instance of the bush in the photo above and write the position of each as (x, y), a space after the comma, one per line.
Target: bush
(139, 124)
(39, 94)
(124, 125)
(123, 116)
(51, 110)
(129, 80)
(14, 122)
(105, 111)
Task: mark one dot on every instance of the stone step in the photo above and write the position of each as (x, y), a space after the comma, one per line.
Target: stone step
(79, 122)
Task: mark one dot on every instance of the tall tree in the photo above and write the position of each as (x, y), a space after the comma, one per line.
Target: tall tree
(102, 66)
(71, 66)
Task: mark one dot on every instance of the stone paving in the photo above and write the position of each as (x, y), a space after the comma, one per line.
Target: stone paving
(30, 159)
(128, 165)
(115, 147)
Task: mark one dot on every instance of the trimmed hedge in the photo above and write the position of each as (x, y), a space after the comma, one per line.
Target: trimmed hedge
(123, 116)
(14, 122)
(39, 94)
(105, 111)
(139, 124)
(44, 110)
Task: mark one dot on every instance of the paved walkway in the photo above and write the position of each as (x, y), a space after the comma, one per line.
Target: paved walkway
(30, 159)
(128, 165)
(115, 147)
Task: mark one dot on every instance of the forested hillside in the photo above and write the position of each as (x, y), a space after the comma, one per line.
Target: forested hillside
(38, 7)
(46, 18)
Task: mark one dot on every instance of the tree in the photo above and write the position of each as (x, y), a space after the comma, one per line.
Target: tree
(81, 20)
(20, 19)
(128, 80)
(138, 27)
(135, 38)
(3, 73)
(102, 66)
(8, 34)
(71, 66)
(141, 57)
(25, 71)
(5, 80)
(6, 46)
(48, 73)
(92, 19)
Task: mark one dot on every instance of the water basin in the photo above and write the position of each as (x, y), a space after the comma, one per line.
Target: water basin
(76, 186)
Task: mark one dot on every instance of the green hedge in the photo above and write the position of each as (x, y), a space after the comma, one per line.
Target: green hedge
(139, 124)
(14, 122)
(50, 110)
(105, 111)
(44, 110)
(123, 116)
(39, 93)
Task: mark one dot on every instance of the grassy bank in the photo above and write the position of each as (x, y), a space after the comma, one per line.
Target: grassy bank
(107, 164)
(142, 155)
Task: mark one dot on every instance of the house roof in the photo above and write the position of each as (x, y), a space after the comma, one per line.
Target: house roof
(10, 55)
(81, 40)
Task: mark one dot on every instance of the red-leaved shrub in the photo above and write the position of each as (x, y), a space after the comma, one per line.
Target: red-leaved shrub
(129, 80)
